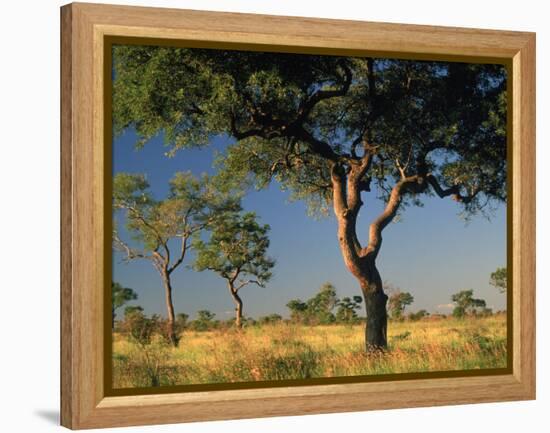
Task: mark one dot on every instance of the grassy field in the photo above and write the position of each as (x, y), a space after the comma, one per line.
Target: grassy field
(289, 351)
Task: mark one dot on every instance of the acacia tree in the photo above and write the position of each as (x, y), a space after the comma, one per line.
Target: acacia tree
(320, 306)
(120, 296)
(204, 321)
(237, 251)
(398, 302)
(335, 131)
(499, 279)
(192, 205)
(318, 309)
(347, 307)
(465, 303)
(298, 310)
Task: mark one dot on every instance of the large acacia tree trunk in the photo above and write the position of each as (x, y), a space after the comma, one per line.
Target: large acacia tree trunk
(375, 306)
(171, 325)
(361, 262)
(377, 321)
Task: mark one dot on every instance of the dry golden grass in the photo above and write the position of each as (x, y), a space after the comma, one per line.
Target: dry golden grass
(289, 351)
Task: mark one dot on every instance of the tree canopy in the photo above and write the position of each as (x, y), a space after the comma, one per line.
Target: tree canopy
(237, 251)
(465, 303)
(192, 204)
(119, 296)
(295, 116)
(398, 302)
(318, 309)
(499, 279)
(347, 309)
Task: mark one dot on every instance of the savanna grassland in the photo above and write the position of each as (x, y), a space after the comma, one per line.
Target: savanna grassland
(285, 350)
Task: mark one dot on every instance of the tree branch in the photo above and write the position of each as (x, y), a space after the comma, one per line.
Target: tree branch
(181, 257)
(246, 282)
(267, 127)
(338, 190)
(308, 105)
(453, 191)
(137, 214)
(392, 206)
(241, 135)
(122, 246)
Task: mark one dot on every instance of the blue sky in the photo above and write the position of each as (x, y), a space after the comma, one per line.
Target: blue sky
(431, 252)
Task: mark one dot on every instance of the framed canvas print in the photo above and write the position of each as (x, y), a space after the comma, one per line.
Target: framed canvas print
(269, 216)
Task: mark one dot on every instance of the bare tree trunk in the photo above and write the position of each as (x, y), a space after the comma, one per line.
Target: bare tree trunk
(238, 307)
(171, 331)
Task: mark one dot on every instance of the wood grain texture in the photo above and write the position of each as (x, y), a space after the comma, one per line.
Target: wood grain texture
(524, 215)
(84, 28)
(67, 389)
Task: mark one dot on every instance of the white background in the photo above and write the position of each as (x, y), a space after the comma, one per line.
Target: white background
(29, 219)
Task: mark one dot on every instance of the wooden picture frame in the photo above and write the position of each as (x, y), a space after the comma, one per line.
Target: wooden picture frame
(84, 30)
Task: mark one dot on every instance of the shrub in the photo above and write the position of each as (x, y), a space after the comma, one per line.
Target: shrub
(204, 321)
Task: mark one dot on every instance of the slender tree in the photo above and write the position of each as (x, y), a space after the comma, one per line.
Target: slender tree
(335, 131)
(499, 279)
(237, 251)
(120, 296)
(192, 205)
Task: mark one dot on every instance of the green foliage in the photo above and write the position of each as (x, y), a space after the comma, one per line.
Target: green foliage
(182, 322)
(236, 250)
(318, 310)
(120, 296)
(320, 307)
(204, 321)
(147, 361)
(146, 365)
(397, 304)
(130, 309)
(298, 310)
(347, 309)
(294, 115)
(269, 319)
(465, 303)
(499, 279)
(420, 314)
(192, 205)
(139, 327)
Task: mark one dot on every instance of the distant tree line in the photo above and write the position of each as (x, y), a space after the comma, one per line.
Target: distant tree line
(324, 308)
